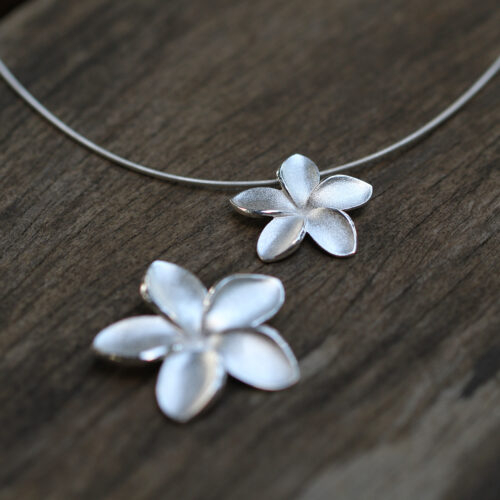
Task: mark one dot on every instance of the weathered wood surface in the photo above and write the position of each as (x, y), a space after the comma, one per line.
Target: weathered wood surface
(399, 346)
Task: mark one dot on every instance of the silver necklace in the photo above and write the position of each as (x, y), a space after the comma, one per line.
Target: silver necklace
(304, 206)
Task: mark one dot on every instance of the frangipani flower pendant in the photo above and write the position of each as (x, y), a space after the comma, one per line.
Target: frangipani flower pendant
(305, 206)
(201, 336)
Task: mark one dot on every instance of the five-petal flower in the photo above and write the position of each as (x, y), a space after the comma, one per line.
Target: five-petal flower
(305, 206)
(201, 336)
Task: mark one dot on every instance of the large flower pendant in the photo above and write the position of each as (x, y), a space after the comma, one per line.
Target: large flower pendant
(305, 206)
(201, 335)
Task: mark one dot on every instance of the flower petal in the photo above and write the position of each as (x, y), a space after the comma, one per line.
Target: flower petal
(280, 238)
(176, 293)
(333, 231)
(188, 381)
(262, 201)
(341, 192)
(260, 358)
(243, 300)
(141, 338)
(298, 176)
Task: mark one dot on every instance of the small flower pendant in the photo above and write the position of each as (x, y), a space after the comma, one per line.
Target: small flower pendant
(305, 206)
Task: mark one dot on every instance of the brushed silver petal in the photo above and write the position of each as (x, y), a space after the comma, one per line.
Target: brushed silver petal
(333, 231)
(176, 293)
(141, 338)
(263, 201)
(298, 176)
(341, 192)
(260, 358)
(280, 238)
(241, 301)
(188, 381)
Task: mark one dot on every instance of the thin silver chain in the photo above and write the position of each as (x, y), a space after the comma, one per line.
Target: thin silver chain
(14, 83)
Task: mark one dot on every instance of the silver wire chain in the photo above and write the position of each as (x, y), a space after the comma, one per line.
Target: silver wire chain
(14, 83)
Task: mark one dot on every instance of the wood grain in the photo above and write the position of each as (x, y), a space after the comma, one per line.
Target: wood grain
(399, 347)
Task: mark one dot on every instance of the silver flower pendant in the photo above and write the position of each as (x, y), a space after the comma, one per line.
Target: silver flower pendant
(201, 336)
(305, 206)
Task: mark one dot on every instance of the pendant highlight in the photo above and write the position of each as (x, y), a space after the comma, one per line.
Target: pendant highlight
(305, 206)
(200, 336)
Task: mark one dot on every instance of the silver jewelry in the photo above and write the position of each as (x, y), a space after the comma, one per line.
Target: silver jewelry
(328, 225)
(419, 134)
(305, 206)
(201, 336)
